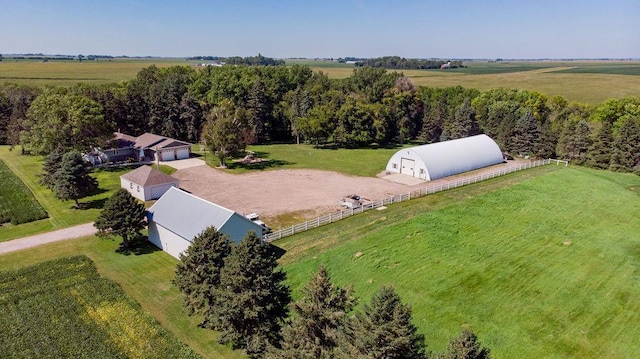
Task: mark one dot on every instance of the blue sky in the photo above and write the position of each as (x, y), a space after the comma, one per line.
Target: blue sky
(329, 28)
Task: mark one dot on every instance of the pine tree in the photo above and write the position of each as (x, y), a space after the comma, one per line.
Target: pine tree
(466, 346)
(599, 155)
(626, 146)
(50, 166)
(464, 122)
(198, 273)
(122, 215)
(525, 134)
(383, 330)
(251, 303)
(575, 141)
(72, 179)
(319, 316)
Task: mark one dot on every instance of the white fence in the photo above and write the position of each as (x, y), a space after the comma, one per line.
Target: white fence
(333, 217)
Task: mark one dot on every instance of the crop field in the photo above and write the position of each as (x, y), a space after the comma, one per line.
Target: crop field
(61, 213)
(545, 268)
(17, 204)
(64, 309)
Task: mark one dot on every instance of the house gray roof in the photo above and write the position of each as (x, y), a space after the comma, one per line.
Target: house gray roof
(171, 143)
(147, 140)
(187, 215)
(146, 176)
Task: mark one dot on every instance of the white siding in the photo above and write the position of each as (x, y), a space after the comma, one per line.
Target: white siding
(167, 240)
(135, 190)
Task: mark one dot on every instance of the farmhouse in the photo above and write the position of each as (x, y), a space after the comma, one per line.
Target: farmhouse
(146, 183)
(447, 158)
(146, 147)
(177, 217)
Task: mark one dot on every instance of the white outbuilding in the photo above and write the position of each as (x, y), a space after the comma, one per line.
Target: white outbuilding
(447, 158)
(146, 183)
(177, 217)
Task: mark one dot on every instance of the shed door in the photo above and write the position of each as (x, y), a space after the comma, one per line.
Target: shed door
(407, 166)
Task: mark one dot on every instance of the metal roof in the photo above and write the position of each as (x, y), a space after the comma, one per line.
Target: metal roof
(187, 215)
(147, 176)
(448, 158)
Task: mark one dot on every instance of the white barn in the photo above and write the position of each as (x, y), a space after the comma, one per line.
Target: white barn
(447, 158)
(177, 217)
(145, 183)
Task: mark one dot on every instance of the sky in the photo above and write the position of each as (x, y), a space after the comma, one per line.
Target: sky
(462, 29)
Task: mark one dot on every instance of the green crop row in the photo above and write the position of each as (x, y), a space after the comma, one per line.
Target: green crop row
(64, 309)
(17, 203)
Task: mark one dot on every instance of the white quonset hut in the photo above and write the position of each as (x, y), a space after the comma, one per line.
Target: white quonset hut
(177, 217)
(145, 183)
(447, 158)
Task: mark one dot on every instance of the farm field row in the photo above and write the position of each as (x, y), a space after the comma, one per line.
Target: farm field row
(68, 310)
(580, 81)
(545, 268)
(18, 204)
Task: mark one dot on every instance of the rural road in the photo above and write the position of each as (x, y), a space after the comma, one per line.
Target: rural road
(82, 230)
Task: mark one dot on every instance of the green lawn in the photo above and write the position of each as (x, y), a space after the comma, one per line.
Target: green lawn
(69, 310)
(17, 204)
(357, 162)
(547, 268)
(145, 277)
(61, 214)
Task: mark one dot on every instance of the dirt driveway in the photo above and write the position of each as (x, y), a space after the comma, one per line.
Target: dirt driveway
(315, 192)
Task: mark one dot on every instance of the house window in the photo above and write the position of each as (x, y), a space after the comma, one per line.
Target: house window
(394, 165)
(422, 171)
(138, 188)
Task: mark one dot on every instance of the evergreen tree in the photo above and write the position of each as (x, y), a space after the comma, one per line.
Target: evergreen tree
(599, 155)
(72, 179)
(383, 330)
(122, 216)
(575, 141)
(626, 146)
(251, 303)
(50, 166)
(466, 346)
(525, 135)
(319, 316)
(198, 273)
(464, 122)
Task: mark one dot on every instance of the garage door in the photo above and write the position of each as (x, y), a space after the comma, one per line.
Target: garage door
(407, 166)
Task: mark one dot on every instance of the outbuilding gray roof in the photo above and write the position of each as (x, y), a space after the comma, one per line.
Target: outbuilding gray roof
(146, 176)
(187, 215)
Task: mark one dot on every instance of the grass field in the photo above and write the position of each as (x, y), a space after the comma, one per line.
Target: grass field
(145, 277)
(548, 267)
(61, 213)
(356, 162)
(17, 203)
(69, 311)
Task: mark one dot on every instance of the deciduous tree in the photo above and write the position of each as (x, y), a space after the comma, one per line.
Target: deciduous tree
(122, 215)
(224, 132)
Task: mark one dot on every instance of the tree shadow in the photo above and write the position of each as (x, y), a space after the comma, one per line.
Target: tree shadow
(138, 246)
(276, 251)
(95, 204)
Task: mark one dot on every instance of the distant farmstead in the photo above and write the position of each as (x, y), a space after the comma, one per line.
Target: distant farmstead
(146, 183)
(447, 158)
(177, 217)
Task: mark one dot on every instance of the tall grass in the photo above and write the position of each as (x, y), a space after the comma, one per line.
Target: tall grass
(17, 204)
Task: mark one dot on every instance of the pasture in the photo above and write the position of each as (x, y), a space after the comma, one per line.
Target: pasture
(61, 213)
(69, 311)
(541, 263)
(17, 203)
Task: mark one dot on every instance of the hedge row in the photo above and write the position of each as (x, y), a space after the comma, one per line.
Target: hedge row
(64, 309)
(17, 204)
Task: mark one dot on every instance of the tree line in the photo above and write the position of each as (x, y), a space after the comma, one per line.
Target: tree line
(238, 290)
(266, 104)
(400, 63)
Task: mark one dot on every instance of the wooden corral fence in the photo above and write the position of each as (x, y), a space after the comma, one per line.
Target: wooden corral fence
(333, 217)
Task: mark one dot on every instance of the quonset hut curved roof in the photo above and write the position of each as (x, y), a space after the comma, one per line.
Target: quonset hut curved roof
(448, 158)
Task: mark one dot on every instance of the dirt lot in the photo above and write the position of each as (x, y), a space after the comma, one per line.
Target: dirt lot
(314, 192)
